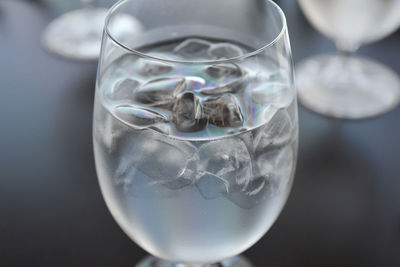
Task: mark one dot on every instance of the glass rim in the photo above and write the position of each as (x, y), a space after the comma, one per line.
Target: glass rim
(279, 36)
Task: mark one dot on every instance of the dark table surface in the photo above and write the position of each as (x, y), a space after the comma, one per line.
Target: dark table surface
(344, 209)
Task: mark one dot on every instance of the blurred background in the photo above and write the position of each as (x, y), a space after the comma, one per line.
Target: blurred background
(344, 209)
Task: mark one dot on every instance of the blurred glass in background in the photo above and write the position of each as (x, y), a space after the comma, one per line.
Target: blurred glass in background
(77, 34)
(345, 85)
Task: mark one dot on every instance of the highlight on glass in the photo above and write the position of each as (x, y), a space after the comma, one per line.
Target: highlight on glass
(195, 126)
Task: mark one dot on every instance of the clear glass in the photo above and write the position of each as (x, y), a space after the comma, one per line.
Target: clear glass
(195, 126)
(345, 85)
(77, 34)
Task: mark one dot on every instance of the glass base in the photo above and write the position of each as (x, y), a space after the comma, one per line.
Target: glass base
(238, 261)
(347, 87)
(76, 34)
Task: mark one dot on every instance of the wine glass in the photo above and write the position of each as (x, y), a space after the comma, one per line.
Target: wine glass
(195, 127)
(77, 34)
(345, 85)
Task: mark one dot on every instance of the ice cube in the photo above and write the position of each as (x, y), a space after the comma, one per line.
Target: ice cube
(211, 186)
(223, 111)
(193, 48)
(292, 111)
(188, 113)
(228, 77)
(123, 90)
(160, 92)
(122, 175)
(139, 116)
(277, 132)
(108, 129)
(178, 183)
(136, 183)
(225, 51)
(228, 160)
(265, 161)
(248, 139)
(164, 128)
(256, 192)
(227, 169)
(224, 71)
(160, 158)
(150, 68)
(276, 166)
(255, 186)
(277, 94)
(190, 171)
(284, 168)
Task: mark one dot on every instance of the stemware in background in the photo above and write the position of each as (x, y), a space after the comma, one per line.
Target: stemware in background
(77, 34)
(345, 85)
(195, 127)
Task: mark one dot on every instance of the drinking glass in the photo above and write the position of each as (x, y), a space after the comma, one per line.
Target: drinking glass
(345, 85)
(77, 34)
(195, 126)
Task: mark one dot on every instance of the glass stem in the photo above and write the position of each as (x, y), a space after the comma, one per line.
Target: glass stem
(345, 54)
(198, 265)
(346, 46)
(348, 71)
(87, 3)
(346, 50)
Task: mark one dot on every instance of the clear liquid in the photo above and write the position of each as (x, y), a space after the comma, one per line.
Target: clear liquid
(353, 21)
(195, 196)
